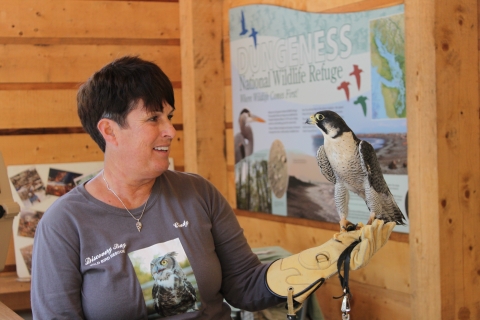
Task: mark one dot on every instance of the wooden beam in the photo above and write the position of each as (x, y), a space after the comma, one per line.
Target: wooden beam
(443, 157)
(202, 89)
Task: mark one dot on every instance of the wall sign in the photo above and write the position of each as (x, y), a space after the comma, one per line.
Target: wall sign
(288, 64)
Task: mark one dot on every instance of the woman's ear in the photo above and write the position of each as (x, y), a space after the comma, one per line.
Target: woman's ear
(107, 129)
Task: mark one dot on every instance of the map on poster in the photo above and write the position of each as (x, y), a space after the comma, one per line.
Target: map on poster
(288, 64)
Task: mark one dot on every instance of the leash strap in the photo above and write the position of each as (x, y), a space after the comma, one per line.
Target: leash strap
(291, 315)
(344, 260)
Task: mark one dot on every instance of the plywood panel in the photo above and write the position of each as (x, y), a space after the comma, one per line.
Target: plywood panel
(50, 109)
(89, 19)
(33, 149)
(48, 148)
(368, 302)
(75, 63)
(38, 109)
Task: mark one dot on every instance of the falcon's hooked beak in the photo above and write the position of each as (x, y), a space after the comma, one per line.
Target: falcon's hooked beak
(315, 118)
(311, 120)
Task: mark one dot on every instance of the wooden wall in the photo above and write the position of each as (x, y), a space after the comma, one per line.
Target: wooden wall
(47, 48)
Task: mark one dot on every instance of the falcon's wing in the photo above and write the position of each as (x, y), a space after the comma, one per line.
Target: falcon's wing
(369, 161)
(325, 166)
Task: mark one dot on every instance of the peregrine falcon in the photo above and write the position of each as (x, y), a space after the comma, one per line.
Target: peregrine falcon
(351, 164)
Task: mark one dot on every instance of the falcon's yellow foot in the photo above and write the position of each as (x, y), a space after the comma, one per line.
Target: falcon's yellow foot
(346, 226)
(371, 218)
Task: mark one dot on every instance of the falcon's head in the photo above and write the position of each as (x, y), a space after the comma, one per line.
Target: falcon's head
(329, 122)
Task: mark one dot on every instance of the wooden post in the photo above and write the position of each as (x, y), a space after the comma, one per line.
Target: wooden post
(443, 157)
(203, 96)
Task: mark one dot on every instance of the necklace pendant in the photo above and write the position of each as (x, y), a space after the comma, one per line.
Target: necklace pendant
(139, 226)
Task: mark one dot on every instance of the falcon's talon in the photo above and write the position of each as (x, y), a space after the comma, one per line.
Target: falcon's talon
(346, 226)
(351, 227)
(359, 226)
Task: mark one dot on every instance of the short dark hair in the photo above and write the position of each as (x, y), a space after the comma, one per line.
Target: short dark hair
(115, 90)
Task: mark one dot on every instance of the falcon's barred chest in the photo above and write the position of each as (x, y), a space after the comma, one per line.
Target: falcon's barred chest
(343, 156)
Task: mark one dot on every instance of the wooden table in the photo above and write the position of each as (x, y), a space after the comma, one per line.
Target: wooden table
(7, 314)
(14, 294)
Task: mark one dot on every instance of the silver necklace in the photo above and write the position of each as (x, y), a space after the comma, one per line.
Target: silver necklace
(138, 224)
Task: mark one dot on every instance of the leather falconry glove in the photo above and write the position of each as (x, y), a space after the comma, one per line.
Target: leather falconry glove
(298, 276)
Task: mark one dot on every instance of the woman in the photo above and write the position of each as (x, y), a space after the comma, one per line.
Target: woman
(138, 240)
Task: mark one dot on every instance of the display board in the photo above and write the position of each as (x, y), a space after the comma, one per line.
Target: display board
(288, 64)
(35, 188)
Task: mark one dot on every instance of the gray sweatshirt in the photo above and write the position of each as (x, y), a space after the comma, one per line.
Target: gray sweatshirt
(90, 261)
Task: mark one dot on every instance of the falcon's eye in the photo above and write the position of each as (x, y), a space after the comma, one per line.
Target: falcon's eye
(164, 262)
(319, 117)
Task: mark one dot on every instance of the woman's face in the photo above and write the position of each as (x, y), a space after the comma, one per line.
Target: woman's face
(144, 144)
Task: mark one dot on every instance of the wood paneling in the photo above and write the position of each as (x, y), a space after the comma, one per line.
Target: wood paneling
(53, 148)
(48, 48)
(50, 109)
(368, 302)
(38, 109)
(34, 149)
(75, 63)
(89, 19)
